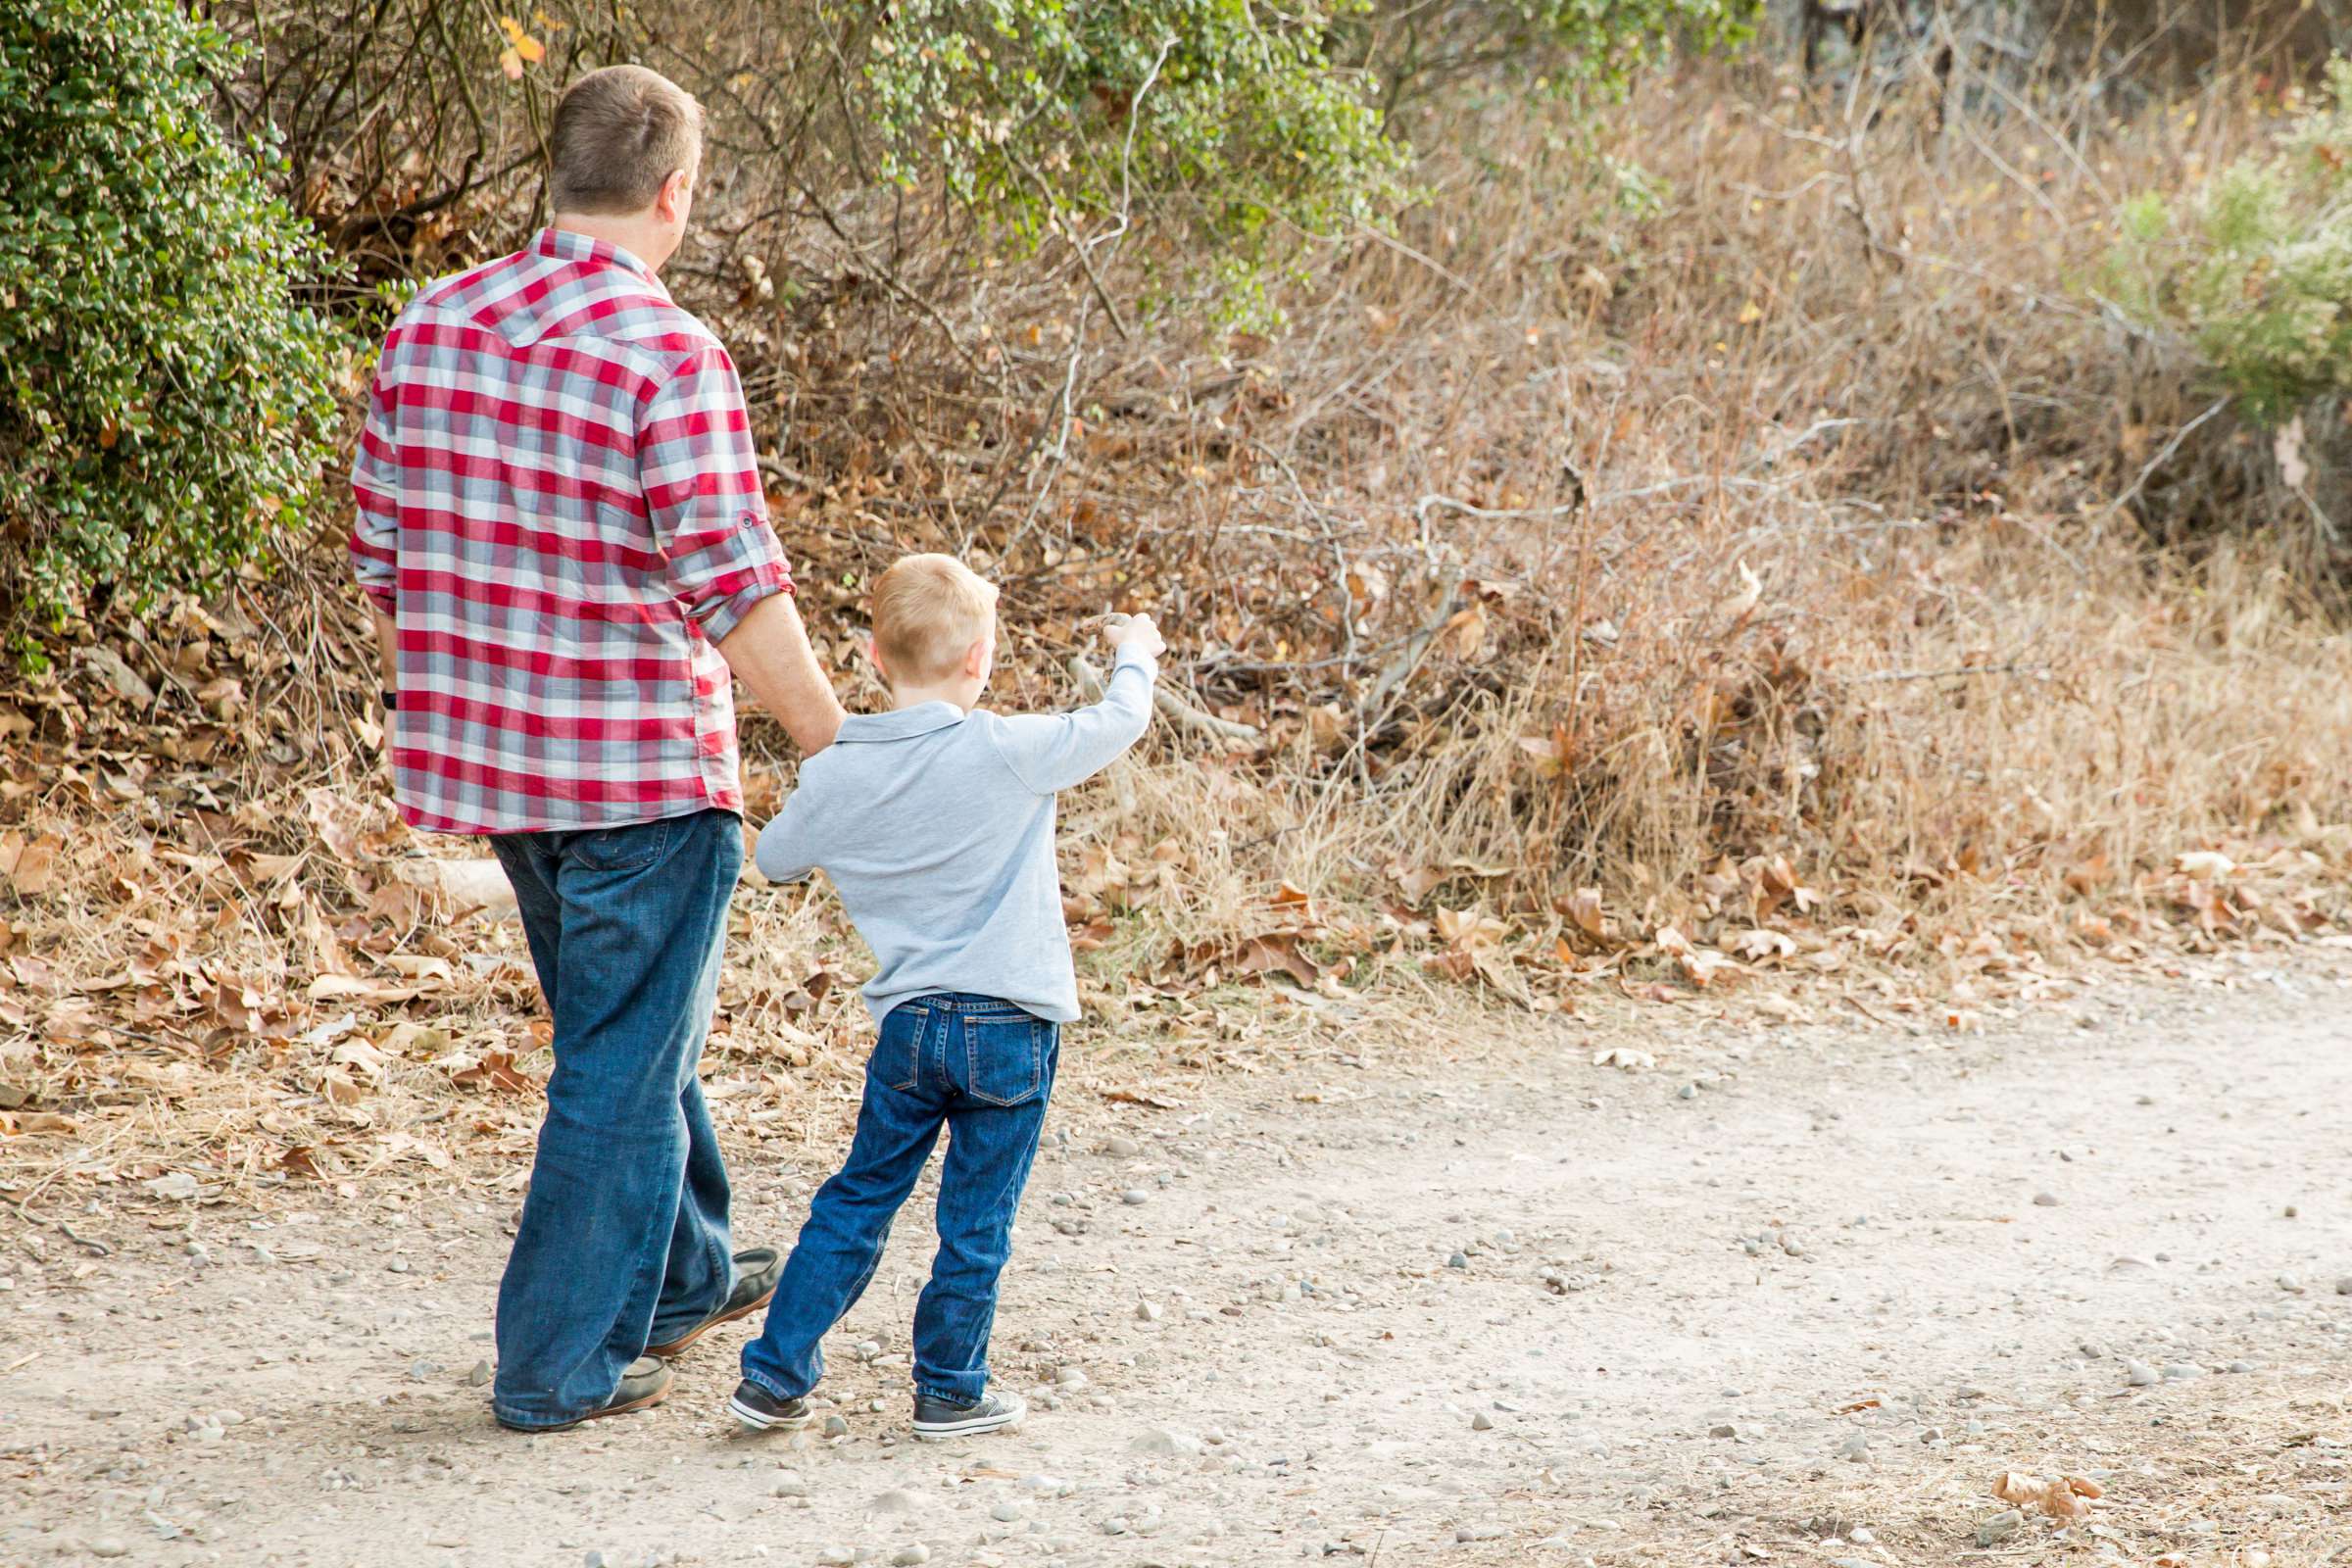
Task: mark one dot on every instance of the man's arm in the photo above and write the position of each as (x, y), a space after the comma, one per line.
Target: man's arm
(709, 521)
(387, 648)
(768, 651)
(375, 528)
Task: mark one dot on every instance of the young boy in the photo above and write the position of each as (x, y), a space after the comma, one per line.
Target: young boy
(935, 822)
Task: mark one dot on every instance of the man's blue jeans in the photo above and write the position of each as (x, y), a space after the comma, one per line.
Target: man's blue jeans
(983, 1070)
(624, 1240)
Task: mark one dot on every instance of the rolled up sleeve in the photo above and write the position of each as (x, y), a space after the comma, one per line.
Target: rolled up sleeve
(701, 479)
(376, 504)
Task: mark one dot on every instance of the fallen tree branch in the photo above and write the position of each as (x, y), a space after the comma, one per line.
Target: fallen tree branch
(1185, 715)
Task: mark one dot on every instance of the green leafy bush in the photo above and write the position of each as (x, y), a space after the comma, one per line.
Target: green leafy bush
(2254, 268)
(1239, 124)
(164, 399)
(1047, 113)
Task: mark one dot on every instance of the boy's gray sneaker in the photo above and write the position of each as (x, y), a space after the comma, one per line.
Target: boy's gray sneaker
(935, 1419)
(762, 1411)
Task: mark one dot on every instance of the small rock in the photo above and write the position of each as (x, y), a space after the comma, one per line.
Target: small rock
(1458, 1260)
(911, 1554)
(478, 1375)
(898, 1499)
(399, 1266)
(2291, 1284)
(1070, 1378)
(2139, 1375)
(1686, 1092)
(835, 1556)
(2000, 1528)
(2182, 1371)
(109, 1547)
(1007, 1513)
(1723, 1429)
(1855, 1448)
(1166, 1441)
(2343, 1287)
(2045, 1199)
(227, 1418)
(1791, 1245)
(836, 1427)
(2289, 1211)
(1482, 1422)
(1466, 1533)
(1147, 1311)
(1121, 1146)
(1135, 1197)
(2241, 1367)
(788, 1484)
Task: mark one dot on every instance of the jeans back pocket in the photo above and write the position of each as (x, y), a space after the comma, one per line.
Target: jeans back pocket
(1004, 1057)
(629, 848)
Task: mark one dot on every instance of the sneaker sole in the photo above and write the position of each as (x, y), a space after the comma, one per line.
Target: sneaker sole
(664, 1353)
(768, 1423)
(936, 1432)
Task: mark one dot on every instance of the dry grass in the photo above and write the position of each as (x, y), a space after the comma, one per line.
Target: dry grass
(1632, 595)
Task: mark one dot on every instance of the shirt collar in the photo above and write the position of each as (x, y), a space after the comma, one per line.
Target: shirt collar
(571, 246)
(900, 724)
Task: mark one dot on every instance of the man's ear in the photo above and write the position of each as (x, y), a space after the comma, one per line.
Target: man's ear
(873, 653)
(670, 203)
(976, 656)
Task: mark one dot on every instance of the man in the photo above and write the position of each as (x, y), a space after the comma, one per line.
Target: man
(561, 529)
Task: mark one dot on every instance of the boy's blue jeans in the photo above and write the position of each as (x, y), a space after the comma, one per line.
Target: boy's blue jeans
(982, 1068)
(623, 1239)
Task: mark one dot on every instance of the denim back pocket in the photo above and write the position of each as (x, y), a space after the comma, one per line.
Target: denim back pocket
(1004, 1056)
(898, 1058)
(622, 849)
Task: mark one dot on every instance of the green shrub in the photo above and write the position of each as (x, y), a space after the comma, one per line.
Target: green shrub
(2254, 270)
(1234, 124)
(164, 399)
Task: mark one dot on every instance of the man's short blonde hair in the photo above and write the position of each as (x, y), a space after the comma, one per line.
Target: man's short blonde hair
(619, 134)
(928, 611)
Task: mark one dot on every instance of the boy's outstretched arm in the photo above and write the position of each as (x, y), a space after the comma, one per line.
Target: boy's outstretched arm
(1050, 752)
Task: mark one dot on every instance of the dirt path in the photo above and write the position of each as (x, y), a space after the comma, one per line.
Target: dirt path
(1466, 1313)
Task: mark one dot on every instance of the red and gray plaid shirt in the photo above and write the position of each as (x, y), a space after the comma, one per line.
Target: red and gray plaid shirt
(560, 506)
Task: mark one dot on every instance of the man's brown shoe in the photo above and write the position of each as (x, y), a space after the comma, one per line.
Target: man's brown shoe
(757, 1270)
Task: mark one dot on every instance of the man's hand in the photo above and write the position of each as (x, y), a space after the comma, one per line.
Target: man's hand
(387, 648)
(768, 651)
(1121, 630)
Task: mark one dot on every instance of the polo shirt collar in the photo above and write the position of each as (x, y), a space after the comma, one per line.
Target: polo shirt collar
(900, 724)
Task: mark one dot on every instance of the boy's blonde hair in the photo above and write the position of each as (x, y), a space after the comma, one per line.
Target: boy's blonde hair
(928, 611)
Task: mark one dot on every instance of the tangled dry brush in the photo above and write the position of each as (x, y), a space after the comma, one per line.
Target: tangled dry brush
(1737, 555)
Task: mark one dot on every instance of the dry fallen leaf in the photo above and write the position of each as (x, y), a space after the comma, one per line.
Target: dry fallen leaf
(1140, 1097)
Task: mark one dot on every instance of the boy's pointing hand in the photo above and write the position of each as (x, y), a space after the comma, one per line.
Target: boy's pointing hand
(1120, 630)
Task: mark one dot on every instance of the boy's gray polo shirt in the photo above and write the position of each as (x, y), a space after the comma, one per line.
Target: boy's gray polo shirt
(936, 826)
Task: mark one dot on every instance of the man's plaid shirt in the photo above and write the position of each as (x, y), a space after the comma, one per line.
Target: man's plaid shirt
(560, 506)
